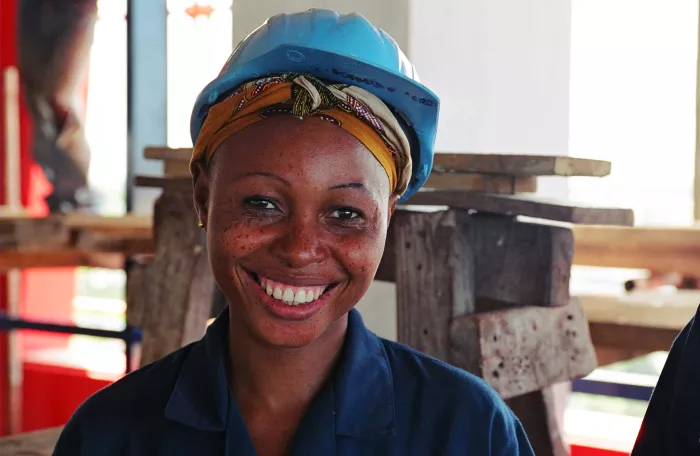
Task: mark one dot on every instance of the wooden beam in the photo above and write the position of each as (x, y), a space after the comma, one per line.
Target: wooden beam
(435, 277)
(37, 443)
(522, 165)
(515, 263)
(662, 249)
(179, 296)
(166, 153)
(59, 259)
(530, 206)
(520, 264)
(163, 182)
(491, 183)
(536, 411)
(522, 350)
(62, 241)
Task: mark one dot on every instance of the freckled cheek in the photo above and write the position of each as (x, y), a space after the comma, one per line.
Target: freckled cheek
(361, 256)
(231, 242)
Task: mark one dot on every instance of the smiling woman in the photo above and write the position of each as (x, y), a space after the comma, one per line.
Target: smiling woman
(296, 175)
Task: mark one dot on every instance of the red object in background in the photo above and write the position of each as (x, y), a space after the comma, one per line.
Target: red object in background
(577, 450)
(53, 393)
(46, 293)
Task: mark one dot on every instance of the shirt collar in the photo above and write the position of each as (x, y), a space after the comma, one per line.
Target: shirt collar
(362, 386)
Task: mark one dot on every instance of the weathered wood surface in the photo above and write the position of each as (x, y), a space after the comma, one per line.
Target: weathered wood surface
(137, 282)
(38, 443)
(521, 350)
(166, 153)
(491, 183)
(178, 182)
(522, 165)
(662, 249)
(515, 263)
(75, 240)
(520, 264)
(635, 324)
(179, 295)
(530, 206)
(434, 276)
(537, 413)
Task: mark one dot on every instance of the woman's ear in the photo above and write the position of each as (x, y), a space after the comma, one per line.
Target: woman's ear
(201, 180)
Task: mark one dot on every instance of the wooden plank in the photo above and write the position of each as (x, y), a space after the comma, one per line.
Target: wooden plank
(57, 258)
(522, 165)
(653, 309)
(163, 182)
(38, 443)
(632, 337)
(530, 206)
(137, 280)
(522, 350)
(59, 241)
(638, 323)
(166, 153)
(516, 263)
(520, 264)
(179, 294)
(434, 276)
(662, 249)
(29, 233)
(173, 168)
(481, 182)
(537, 413)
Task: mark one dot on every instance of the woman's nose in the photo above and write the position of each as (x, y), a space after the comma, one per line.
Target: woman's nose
(300, 245)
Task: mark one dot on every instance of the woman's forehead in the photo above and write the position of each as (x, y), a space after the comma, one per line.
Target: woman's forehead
(296, 149)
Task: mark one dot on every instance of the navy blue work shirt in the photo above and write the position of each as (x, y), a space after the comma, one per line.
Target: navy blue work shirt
(384, 399)
(671, 425)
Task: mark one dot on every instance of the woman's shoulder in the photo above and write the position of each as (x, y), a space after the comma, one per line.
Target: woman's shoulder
(138, 397)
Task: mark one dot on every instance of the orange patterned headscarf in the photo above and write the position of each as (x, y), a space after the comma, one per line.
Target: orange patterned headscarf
(355, 110)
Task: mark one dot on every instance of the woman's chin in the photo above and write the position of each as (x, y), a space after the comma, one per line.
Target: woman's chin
(286, 334)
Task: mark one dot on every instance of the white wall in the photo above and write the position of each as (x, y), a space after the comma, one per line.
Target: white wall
(501, 68)
(391, 15)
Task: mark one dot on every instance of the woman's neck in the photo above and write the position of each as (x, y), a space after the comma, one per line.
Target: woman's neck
(279, 379)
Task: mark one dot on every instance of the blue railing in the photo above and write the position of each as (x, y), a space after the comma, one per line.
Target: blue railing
(129, 335)
(616, 384)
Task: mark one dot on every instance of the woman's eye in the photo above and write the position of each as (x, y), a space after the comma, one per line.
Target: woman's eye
(261, 203)
(345, 214)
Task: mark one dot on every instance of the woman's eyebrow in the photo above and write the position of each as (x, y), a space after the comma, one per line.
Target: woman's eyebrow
(357, 185)
(354, 185)
(264, 174)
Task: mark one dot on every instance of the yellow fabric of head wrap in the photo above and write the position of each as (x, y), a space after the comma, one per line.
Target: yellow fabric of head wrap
(357, 111)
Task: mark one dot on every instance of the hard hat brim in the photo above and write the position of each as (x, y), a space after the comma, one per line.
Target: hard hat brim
(417, 103)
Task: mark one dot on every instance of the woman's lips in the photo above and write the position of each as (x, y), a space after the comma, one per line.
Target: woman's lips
(290, 301)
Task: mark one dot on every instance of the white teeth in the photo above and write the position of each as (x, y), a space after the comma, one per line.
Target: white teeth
(288, 295)
(278, 293)
(300, 297)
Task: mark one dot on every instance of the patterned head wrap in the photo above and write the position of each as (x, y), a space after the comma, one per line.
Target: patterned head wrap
(355, 110)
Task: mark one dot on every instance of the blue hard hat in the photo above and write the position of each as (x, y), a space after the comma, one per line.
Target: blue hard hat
(340, 48)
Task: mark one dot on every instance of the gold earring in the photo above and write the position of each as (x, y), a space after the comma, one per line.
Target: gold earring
(201, 224)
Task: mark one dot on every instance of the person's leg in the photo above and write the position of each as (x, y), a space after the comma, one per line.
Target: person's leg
(54, 48)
